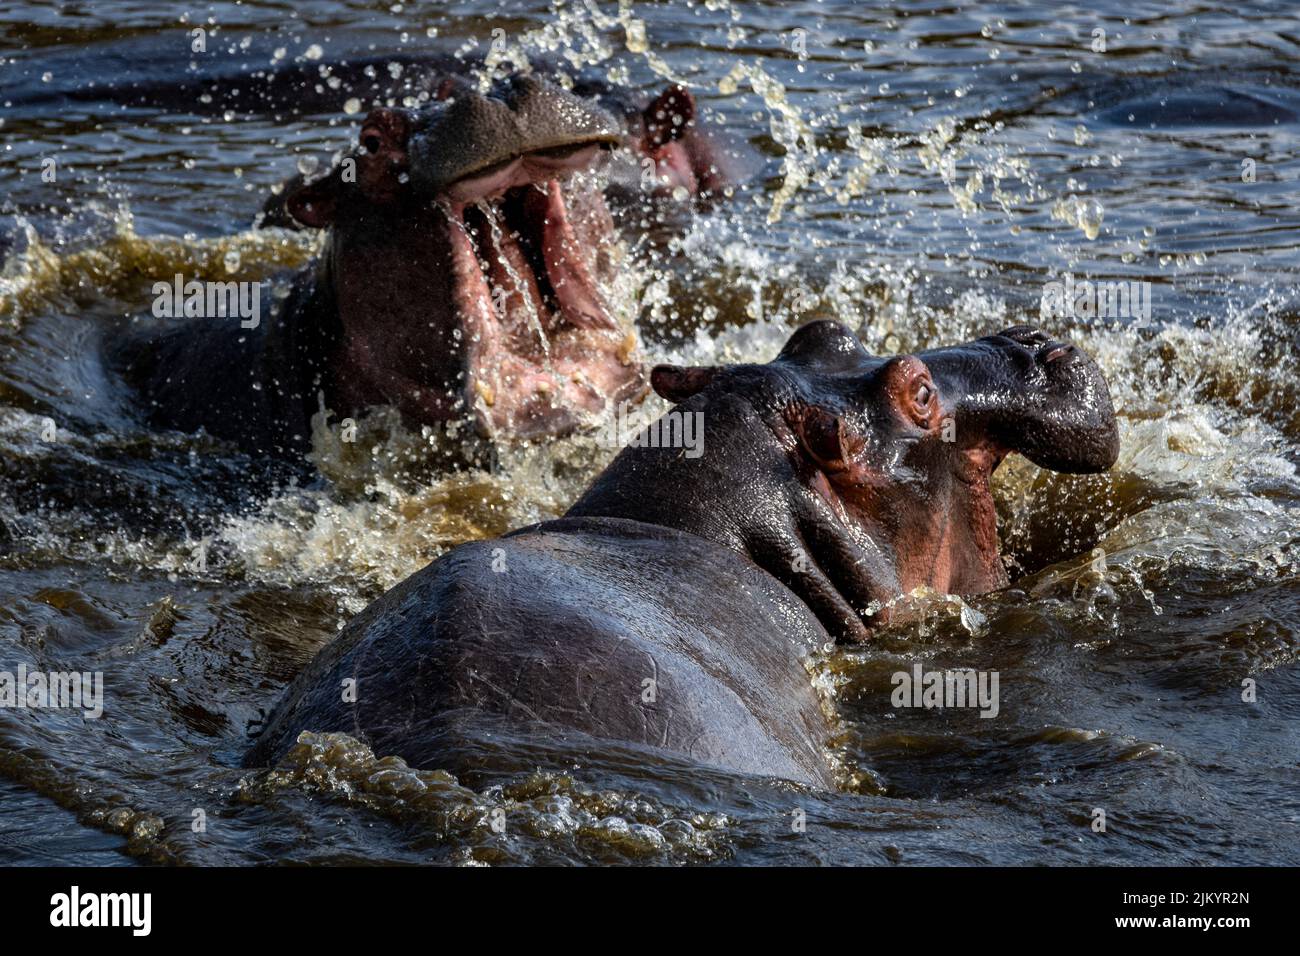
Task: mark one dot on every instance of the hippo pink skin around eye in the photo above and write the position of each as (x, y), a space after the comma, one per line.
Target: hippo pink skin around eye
(868, 476)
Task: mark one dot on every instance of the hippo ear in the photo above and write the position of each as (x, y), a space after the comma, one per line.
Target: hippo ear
(668, 116)
(832, 444)
(315, 204)
(677, 383)
(450, 85)
(275, 211)
(824, 343)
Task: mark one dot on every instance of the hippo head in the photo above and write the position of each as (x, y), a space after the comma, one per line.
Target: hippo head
(855, 478)
(467, 251)
(686, 159)
(668, 151)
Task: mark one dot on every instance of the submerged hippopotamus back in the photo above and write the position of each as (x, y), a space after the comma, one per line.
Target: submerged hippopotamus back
(831, 481)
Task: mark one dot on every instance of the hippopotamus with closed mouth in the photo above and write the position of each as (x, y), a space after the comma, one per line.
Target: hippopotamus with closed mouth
(463, 276)
(686, 159)
(831, 482)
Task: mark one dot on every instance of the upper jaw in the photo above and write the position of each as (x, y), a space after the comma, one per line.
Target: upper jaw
(538, 166)
(1023, 391)
(464, 137)
(1007, 369)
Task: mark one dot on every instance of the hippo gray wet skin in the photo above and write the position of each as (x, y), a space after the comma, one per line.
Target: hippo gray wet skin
(461, 277)
(831, 481)
(661, 136)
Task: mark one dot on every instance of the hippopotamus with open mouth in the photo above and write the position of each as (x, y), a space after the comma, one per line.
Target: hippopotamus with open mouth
(671, 607)
(661, 136)
(469, 246)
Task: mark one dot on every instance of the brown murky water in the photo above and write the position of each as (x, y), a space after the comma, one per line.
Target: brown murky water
(918, 174)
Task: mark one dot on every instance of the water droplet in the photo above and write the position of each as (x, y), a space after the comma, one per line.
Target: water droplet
(636, 40)
(314, 52)
(307, 164)
(231, 260)
(352, 105)
(1091, 213)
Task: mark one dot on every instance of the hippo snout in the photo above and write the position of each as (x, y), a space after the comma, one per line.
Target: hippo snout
(471, 133)
(1046, 350)
(1032, 393)
(1066, 423)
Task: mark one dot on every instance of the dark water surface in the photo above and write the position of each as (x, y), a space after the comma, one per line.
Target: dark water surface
(917, 171)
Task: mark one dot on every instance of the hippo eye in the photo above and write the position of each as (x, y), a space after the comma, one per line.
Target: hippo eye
(371, 143)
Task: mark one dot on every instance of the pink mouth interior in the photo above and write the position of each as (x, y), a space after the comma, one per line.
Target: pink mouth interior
(543, 347)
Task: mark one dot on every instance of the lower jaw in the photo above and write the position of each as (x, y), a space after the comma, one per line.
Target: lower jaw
(521, 398)
(545, 368)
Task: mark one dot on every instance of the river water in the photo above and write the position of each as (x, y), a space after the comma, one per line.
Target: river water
(919, 173)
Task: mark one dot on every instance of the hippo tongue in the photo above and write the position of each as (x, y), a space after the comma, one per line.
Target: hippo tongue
(575, 292)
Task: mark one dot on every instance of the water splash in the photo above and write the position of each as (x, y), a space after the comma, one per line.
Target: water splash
(551, 808)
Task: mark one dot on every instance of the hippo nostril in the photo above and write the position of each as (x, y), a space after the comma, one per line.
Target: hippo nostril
(1052, 353)
(1025, 335)
(371, 143)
